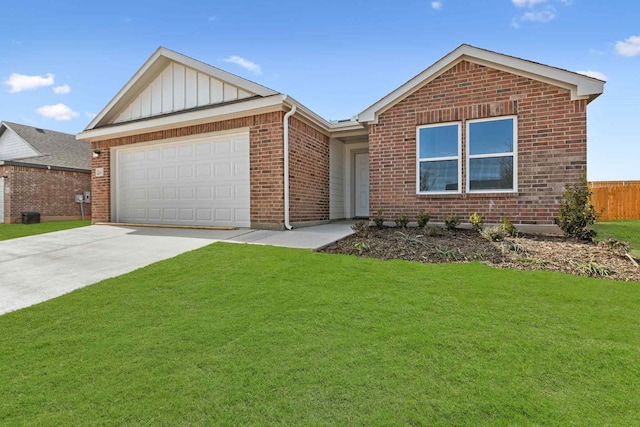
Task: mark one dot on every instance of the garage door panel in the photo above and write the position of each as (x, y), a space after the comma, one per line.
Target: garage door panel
(202, 183)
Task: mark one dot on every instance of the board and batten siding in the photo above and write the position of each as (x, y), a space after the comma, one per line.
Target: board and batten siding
(336, 180)
(179, 88)
(14, 147)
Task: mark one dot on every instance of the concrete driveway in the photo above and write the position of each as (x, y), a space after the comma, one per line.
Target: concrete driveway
(37, 268)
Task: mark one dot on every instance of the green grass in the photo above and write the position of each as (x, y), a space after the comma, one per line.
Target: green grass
(627, 230)
(255, 335)
(12, 231)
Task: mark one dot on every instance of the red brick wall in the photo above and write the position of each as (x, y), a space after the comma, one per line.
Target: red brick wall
(552, 146)
(50, 192)
(266, 164)
(308, 173)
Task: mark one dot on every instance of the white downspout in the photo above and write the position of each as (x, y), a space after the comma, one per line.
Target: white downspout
(285, 124)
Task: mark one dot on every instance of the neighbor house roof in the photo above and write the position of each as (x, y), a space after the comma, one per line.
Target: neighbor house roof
(55, 149)
(581, 86)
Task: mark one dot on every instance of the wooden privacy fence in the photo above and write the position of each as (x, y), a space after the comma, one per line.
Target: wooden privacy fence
(619, 199)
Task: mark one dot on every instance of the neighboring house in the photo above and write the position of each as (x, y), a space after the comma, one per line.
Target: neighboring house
(40, 171)
(187, 143)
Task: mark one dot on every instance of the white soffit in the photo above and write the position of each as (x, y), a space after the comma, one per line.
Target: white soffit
(581, 87)
(169, 82)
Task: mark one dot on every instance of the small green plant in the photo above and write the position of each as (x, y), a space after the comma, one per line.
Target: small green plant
(449, 253)
(402, 220)
(362, 247)
(476, 220)
(378, 219)
(513, 246)
(508, 227)
(577, 214)
(595, 270)
(361, 228)
(451, 222)
(423, 219)
(493, 234)
(618, 247)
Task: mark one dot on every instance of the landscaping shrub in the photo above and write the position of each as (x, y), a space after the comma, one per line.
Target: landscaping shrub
(402, 220)
(452, 222)
(378, 219)
(577, 213)
(423, 219)
(361, 228)
(476, 221)
(507, 226)
(493, 234)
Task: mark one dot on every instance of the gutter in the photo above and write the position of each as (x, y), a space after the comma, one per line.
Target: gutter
(285, 125)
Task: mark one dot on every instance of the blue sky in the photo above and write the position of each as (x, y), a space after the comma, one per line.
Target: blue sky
(63, 61)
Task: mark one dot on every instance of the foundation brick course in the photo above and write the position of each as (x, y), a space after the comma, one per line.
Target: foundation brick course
(552, 149)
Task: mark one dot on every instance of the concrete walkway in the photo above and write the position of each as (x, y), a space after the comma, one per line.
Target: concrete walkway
(37, 268)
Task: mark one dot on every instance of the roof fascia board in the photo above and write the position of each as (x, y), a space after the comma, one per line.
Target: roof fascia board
(134, 79)
(170, 55)
(581, 87)
(226, 112)
(40, 166)
(313, 118)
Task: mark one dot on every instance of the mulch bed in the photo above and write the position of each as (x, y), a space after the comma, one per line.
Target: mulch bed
(525, 252)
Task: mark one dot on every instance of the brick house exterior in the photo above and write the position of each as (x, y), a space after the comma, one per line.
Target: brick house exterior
(344, 169)
(41, 171)
(552, 149)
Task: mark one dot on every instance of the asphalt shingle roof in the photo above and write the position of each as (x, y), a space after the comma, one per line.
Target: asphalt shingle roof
(57, 149)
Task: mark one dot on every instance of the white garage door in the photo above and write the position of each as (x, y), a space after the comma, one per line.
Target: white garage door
(195, 182)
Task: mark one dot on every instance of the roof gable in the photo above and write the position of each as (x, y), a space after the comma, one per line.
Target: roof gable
(170, 82)
(12, 146)
(581, 87)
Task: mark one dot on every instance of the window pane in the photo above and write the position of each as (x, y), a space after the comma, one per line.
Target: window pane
(439, 176)
(495, 136)
(440, 141)
(491, 173)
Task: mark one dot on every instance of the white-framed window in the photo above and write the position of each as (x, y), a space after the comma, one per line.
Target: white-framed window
(439, 165)
(492, 163)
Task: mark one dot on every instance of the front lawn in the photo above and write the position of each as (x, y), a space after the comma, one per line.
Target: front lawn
(12, 231)
(627, 230)
(253, 335)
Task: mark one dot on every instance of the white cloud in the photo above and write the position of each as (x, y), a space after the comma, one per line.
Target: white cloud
(542, 16)
(527, 3)
(244, 63)
(514, 23)
(595, 74)
(20, 82)
(629, 48)
(57, 112)
(90, 115)
(61, 89)
(437, 5)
